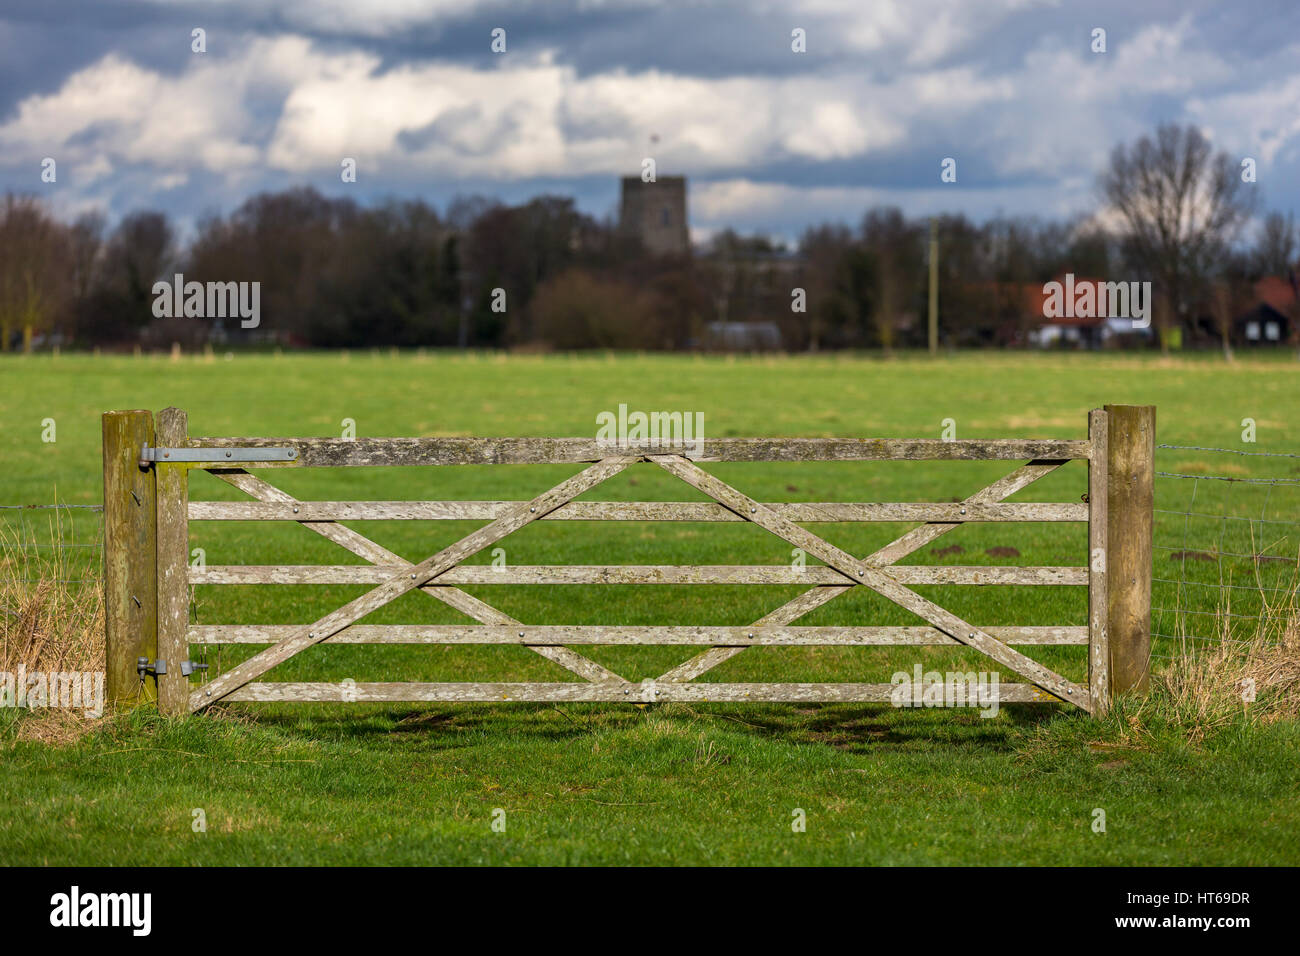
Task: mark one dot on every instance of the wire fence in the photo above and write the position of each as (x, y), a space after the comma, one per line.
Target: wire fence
(70, 539)
(1226, 547)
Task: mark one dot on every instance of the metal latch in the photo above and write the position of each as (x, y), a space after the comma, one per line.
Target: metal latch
(189, 667)
(149, 455)
(144, 666)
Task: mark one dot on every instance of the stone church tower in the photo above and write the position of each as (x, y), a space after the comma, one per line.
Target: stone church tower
(655, 214)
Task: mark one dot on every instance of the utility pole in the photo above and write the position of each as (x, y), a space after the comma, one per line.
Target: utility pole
(934, 288)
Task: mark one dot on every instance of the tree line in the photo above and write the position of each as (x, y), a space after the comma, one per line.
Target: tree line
(542, 274)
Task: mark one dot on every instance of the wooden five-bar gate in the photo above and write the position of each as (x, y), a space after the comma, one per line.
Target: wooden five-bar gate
(148, 578)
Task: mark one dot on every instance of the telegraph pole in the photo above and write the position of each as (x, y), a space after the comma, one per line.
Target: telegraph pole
(934, 288)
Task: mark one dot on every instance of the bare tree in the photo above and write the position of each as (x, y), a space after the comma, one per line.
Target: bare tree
(823, 248)
(86, 237)
(1230, 296)
(1275, 251)
(1182, 205)
(34, 252)
(898, 248)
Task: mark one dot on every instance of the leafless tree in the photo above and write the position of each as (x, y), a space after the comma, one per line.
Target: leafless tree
(1275, 251)
(897, 247)
(1181, 205)
(34, 254)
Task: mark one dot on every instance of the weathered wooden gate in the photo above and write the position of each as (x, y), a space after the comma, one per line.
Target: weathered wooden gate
(148, 578)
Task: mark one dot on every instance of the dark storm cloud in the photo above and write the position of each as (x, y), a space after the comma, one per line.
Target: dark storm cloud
(771, 140)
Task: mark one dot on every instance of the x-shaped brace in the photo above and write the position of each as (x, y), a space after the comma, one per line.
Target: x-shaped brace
(454, 597)
(869, 573)
(418, 576)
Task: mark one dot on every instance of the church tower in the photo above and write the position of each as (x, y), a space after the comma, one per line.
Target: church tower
(655, 214)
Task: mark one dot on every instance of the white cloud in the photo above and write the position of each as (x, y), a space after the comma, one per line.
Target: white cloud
(1263, 123)
(115, 113)
(527, 118)
(923, 31)
(490, 122)
(1071, 105)
(285, 104)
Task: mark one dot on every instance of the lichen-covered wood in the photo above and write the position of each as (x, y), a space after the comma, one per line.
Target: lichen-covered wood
(632, 574)
(403, 581)
(1130, 498)
(1098, 495)
(561, 634)
(173, 560)
(643, 692)
(341, 452)
(833, 511)
(363, 547)
(875, 578)
(896, 550)
(130, 561)
(1116, 453)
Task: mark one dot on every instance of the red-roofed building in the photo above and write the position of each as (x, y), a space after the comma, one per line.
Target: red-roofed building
(1082, 311)
(1273, 318)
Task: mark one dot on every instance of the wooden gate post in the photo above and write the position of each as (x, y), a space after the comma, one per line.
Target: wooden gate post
(1098, 535)
(130, 605)
(173, 565)
(1130, 500)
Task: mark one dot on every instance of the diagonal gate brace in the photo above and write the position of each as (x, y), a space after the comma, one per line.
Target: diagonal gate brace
(874, 578)
(402, 582)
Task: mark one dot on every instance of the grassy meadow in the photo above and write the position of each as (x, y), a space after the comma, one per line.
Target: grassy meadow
(668, 783)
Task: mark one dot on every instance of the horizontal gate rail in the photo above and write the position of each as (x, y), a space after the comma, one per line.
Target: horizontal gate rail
(817, 511)
(1117, 462)
(400, 582)
(632, 574)
(356, 452)
(573, 692)
(559, 634)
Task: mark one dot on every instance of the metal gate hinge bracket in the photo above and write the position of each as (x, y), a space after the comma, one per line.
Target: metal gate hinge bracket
(144, 666)
(149, 455)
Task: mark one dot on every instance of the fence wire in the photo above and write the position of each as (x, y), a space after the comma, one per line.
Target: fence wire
(1226, 550)
(65, 540)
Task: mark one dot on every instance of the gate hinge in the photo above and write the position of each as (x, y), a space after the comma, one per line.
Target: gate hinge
(159, 667)
(145, 666)
(150, 455)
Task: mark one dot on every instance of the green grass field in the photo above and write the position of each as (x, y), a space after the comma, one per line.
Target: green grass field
(669, 783)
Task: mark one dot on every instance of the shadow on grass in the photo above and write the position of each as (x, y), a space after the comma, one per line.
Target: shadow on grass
(859, 729)
(864, 729)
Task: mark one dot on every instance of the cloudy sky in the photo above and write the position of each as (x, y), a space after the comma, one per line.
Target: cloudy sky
(772, 140)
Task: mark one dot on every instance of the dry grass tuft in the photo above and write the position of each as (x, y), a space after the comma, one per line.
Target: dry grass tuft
(51, 620)
(1233, 677)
